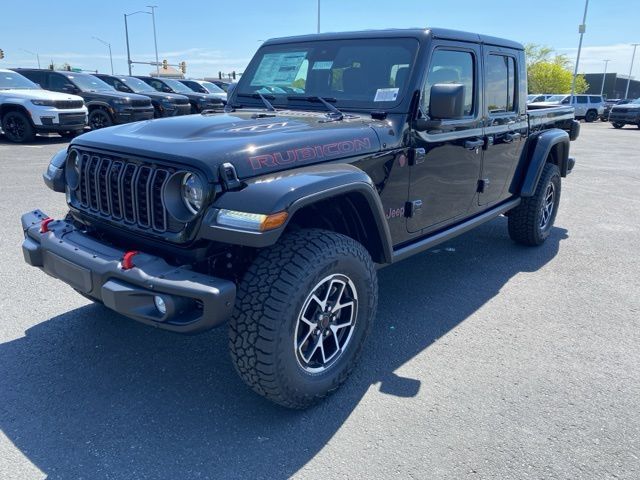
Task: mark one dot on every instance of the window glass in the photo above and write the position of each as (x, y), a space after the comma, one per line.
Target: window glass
(355, 73)
(500, 83)
(449, 66)
(595, 99)
(581, 99)
(58, 82)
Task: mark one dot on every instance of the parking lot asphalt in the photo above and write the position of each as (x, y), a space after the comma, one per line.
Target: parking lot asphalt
(487, 360)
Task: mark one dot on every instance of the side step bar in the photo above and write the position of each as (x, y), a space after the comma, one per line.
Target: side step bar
(444, 235)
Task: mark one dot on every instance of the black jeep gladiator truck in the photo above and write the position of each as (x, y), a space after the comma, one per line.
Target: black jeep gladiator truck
(337, 154)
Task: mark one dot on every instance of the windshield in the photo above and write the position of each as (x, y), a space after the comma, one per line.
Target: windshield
(211, 87)
(177, 86)
(89, 83)
(13, 80)
(362, 73)
(136, 84)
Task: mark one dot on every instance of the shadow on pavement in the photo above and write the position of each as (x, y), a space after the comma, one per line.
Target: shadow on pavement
(40, 140)
(91, 394)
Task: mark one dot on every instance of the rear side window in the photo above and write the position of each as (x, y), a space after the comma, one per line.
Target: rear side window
(58, 82)
(581, 99)
(595, 99)
(449, 66)
(500, 83)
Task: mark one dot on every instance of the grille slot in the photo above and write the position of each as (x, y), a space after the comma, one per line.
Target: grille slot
(122, 190)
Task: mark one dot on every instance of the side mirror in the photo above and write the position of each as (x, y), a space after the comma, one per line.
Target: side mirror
(69, 89)
(446, 101)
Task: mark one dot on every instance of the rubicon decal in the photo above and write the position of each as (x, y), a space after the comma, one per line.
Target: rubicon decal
(309, 153)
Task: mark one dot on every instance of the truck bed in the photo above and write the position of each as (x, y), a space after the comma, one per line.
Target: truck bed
(543, 118)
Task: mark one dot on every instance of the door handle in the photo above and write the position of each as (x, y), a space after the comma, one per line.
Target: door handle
(510, 137)
(473, 144)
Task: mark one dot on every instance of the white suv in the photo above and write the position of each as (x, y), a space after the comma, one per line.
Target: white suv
(589, 107)
(26, 109)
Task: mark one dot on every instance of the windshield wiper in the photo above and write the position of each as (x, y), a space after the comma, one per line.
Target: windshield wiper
(334, 114)
(265, 99)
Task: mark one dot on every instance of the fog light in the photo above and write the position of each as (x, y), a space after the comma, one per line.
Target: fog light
(160, 305)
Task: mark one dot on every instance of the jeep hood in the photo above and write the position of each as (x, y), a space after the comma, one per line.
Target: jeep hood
(37, 94)
(254, 145)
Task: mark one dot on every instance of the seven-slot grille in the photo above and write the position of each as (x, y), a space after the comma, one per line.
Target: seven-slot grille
(123, 190)
(140, 102)
(62, 104)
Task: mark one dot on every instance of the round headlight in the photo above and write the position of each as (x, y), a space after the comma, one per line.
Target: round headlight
(192, 192)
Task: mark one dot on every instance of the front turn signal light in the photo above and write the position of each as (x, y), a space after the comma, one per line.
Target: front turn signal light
(257, 222)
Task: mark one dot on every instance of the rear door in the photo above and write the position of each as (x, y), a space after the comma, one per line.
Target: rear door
(446, 164)
(505, 124)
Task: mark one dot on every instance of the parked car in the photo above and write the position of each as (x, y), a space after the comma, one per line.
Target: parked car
(106, 105)
(199, 101)
(27, 109)
(628, 114)
(272, 216)
(204, 86)
(587, 107)
(609, 104)
(164, 104)
(222, 84)
(537, 98)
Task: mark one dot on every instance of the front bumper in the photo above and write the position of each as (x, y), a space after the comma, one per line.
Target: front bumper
(624, 117)
(175, 110)
(194, 302)
(51, 119)
(133, 114)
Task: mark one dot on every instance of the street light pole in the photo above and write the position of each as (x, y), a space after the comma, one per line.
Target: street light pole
(32, 53)
(633, 56)
(126, 33)
(318, 16)
(110, 55)
(604, 75)
(581, 29)
(155, 39)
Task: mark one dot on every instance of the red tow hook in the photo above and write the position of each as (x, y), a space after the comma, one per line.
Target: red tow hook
(44, 225)
(127, 259)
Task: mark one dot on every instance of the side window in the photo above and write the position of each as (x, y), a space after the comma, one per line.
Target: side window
(449, 66)
(595, 99)
(581, 99)
(500, 83)
(37, 77)
(157, 85)
(118, 85)
(59, 83)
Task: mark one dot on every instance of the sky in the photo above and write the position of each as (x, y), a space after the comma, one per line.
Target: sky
(212, 36)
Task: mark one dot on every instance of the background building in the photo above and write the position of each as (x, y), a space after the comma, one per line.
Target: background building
(614, 85)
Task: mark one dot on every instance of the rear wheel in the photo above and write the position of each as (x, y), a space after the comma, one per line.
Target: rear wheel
(17, 127)
(617, 125)
(530, 222)
(591, 116)
(99, 118)
(303, 311)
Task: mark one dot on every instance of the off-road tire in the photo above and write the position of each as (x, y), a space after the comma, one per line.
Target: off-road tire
(269, 300)
(617, 125)
(591, 116)
(17, 127)
(524, 220)
(99, 118)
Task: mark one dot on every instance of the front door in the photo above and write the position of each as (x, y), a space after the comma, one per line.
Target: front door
(447, 160)
(506, 122)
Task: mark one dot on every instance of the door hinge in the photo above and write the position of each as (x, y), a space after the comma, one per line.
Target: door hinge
(483, 184)
(413, 208)
(416, 156)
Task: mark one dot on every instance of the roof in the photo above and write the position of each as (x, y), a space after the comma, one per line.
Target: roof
(419, 33)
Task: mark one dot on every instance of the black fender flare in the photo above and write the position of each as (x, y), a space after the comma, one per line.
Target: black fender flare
(97, 103)
(12, 107)
(539, 149)
(290, 192)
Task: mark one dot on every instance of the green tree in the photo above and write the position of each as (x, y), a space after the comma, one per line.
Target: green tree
(548, 72)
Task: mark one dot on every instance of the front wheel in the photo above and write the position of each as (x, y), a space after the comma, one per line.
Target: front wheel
(303, 311)
(617, 125)
(17, 127)
(99, 118)
(530, 222)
